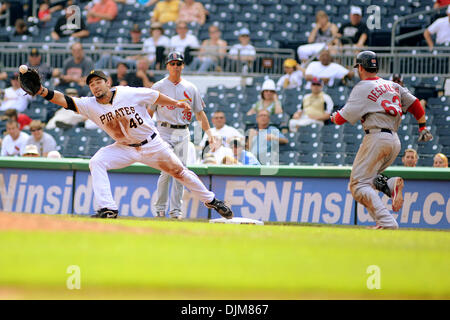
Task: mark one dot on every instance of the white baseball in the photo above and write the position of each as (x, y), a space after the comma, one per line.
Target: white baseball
(23, 68)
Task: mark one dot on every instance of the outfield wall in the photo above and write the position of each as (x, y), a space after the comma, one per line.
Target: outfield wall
(282, 193)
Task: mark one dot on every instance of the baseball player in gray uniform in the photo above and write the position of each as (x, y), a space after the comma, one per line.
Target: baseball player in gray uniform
(379, 104)
(173, 126)
(122, 113)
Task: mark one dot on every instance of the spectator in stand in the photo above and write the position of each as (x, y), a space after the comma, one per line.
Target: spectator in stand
(64, 118)
(21, 28)
(353, 32)
(21, 118)
(441, 3)
(410, 158)
(269, 100)
(326, 70)
(184, 42)
(293, 75)
(229, 160)
(166, 11)
(15, 97)
(155, 46)
(35, 62)
(30, 151)
(211, 52)
(66, 25)
(322, 36)
(440, 161)
(76, 68)
(241, 155)
(441, 28)
(45, 10)
(317, 107)
(192, 11)
(243, 53)
(121, 77)
(264, 137)
(109, 61)
(44, 13)
(220, 129)
(14, 143)
(143, 77)
(42, 140)
(209, 159)
(3, 77)
(102, 10)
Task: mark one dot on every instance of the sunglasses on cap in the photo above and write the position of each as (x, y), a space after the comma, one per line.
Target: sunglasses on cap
(178, 63)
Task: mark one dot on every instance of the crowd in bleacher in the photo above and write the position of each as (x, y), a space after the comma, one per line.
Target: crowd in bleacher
(221, 35)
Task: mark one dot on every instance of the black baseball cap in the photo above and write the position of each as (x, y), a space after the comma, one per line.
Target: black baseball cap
(96, 73)
(174, 56)
(34, 52)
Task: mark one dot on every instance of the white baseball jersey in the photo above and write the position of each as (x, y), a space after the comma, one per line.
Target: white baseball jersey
(379, 103)
(125, 118)
(181, 91)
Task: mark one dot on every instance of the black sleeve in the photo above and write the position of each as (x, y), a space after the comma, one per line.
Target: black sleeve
(70, 104)
(57, 28)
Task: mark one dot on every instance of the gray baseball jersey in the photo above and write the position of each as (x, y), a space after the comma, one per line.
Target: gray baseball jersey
(378, 103)
(181, 91)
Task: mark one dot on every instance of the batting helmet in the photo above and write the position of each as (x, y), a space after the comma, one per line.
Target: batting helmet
(367, 60)
(174, 56)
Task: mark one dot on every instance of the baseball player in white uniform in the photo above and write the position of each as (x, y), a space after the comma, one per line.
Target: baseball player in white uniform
(379, 104)
(122, 113)
(173, 124)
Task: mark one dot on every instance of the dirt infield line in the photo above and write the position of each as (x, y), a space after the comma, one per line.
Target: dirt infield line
(36, 222)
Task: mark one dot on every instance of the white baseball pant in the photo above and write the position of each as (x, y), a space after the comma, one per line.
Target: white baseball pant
(156, 154)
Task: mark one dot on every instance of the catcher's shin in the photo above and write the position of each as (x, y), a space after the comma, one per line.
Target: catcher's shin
(30, 82)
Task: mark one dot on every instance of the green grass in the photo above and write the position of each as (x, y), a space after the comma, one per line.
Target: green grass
(194, 260)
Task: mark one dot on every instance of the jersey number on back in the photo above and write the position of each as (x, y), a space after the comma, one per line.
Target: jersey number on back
(138, 120)
(393, 108)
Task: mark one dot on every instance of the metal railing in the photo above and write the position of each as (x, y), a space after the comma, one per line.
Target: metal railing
(417, 61)
(405, 60)
(267, 61)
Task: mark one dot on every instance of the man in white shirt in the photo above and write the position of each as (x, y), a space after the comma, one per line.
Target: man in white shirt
(221, 129)
(183, 40)
(243, 51)
(326, 70)
(440, 27)
(14, 143)
(15, 97)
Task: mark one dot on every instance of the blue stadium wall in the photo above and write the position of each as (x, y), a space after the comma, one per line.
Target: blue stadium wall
(276, 194)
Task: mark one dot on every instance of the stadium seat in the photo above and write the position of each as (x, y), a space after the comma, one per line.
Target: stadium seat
(333, 159)
(333, 147)
(331, 138)
(351, 148)
(312, 158)
(431, 147)
(288, 157)
(425, 161)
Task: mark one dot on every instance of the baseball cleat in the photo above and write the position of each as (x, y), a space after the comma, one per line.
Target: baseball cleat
(397, 195)
(160, 214)
(221, 208)
(378, 227)
(105, 213)
(176, 215)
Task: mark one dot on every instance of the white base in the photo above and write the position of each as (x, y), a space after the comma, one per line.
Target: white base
(237, 221)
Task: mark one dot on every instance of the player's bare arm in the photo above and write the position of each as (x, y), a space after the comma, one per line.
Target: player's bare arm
(214, 141)
(164, 100)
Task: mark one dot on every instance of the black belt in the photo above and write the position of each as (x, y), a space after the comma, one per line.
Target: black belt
(143, 142)
(381, 130)
(173, 126)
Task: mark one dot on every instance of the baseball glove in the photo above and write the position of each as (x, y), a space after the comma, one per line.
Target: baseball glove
(425, 135)
(30, 82)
